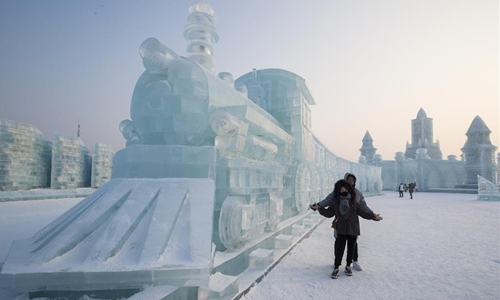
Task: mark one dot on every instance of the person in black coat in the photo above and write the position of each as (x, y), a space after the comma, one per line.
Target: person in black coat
(411, 187)
(351, 179)
(346, 209)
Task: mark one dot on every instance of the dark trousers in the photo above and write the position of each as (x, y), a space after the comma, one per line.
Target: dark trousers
(355, 254)
(340, 244)
(401, 194)
(411, 194)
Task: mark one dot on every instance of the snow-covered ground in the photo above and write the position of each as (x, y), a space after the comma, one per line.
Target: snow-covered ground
(436, 246)
(22, 219)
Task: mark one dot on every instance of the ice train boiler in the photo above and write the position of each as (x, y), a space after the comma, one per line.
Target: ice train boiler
(214, 169)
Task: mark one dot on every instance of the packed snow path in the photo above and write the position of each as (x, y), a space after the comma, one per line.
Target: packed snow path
(436, 246)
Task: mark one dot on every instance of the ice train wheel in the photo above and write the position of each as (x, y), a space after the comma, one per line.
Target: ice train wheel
(231, 232)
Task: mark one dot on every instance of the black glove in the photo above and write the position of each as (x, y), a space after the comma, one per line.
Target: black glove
(314, 206)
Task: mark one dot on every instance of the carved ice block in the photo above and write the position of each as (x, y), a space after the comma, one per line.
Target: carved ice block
(315, 217)
(283, 241)
(298, 230)
(308, 223)
(220, 287)
(261, 258)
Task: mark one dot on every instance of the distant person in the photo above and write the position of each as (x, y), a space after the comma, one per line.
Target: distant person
(351, 179)
(346, 208)
(401, 190)
(405, 187)
(411, 187)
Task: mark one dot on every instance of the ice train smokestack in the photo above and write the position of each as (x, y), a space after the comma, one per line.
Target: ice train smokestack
(201, 34)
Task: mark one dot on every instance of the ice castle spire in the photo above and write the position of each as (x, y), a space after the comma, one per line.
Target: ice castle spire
(201, 34)
(479, 127)
(367, 150)
(421, 114)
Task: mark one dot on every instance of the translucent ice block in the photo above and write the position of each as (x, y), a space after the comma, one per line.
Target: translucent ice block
(71, 163)
(102, 164)
(25, 157)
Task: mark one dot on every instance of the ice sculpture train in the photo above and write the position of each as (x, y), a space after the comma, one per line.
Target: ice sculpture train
(213, 169)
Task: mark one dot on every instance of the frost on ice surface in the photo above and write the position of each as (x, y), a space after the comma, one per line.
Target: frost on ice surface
(127, 231)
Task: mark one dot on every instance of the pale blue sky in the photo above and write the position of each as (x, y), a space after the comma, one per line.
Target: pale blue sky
(371, 65)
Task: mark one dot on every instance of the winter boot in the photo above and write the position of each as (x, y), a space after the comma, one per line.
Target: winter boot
(335, 273)
(348, 271)
(357, 266)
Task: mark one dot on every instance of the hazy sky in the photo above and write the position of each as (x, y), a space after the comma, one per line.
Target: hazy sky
(370, 64)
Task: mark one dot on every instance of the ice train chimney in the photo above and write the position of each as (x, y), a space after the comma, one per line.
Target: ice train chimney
(201, 34)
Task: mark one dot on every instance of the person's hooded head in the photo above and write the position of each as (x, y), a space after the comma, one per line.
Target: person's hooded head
(344, 189)
(345, 193)
(349, 177)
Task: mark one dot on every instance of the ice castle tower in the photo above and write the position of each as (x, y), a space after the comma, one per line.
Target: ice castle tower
(422, 136)
(367, 150)
(479, 153)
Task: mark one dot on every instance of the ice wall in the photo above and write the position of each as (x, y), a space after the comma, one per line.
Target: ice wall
(71, 163)
(27, 160)
(25, 157)
(102, 164)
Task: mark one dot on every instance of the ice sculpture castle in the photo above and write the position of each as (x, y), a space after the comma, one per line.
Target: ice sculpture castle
(422, 161)
(213, 186)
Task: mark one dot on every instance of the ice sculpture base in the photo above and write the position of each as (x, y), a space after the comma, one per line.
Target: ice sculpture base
(233, 273)
(127, 234)
(236, 272)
